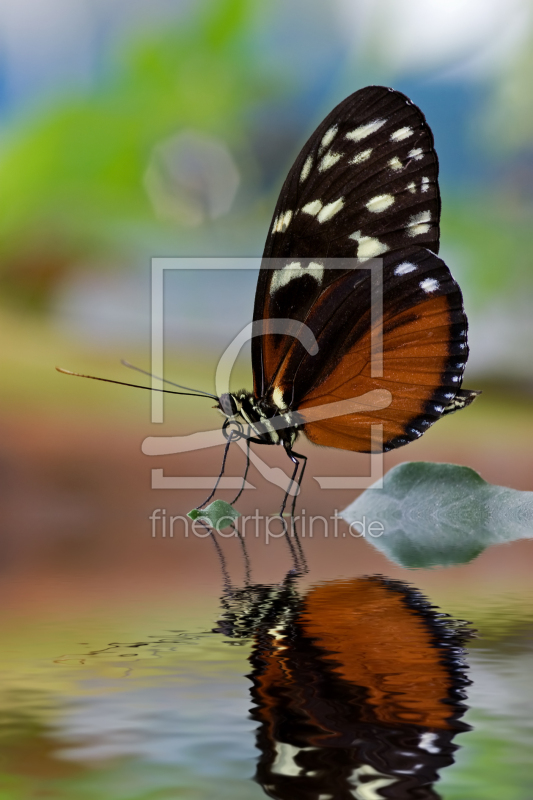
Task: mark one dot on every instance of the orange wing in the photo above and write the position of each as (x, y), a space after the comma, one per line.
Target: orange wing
(423, 329)
(366, 632)
(418, 371)
(373, 639)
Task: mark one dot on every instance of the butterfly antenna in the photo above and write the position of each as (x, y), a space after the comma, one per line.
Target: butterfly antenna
(165, 380)
(133, 385)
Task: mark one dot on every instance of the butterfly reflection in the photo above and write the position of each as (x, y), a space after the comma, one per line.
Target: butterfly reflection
(357, 687)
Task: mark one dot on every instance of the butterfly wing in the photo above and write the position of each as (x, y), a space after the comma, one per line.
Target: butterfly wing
(364, 186)
(372, 154)
(424, 353)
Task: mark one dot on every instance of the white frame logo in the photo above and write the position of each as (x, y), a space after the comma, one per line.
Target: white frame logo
(165, 445)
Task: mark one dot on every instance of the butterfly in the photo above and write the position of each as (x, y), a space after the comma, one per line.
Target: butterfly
(364, 186)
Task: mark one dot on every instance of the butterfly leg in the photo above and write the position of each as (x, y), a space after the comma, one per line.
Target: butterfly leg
(300, 561)
(300, 479)
(245, 473)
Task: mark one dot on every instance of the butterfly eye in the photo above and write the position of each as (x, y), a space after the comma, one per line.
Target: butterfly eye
(228, 405)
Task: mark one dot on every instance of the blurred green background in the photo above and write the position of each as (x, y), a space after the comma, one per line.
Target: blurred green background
(131, 129)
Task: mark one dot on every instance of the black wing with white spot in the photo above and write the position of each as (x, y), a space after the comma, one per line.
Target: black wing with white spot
(364, 184)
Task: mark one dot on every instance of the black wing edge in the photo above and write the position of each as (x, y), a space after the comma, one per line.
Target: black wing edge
(463, 398)
(446, 398)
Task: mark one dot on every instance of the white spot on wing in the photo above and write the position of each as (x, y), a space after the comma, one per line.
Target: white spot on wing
(425, 184)
(285, 761)
(417, 153)
(282, 222)
(306, 169)
(395, 163)
(427, 740)
(292, 271)
(328, 161)
(429, 285)
(282, 277)
(365, 130)
(328, 137)
(286, 220)
(411, 186)
(403, 269)
(380, 203)
(419, 223)
(401, 134)
(312, 208)
(368, 247)
(330, 210)
(362, 156)
(316, 270)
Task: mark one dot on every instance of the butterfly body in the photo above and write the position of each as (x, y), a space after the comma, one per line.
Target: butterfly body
(268, 423)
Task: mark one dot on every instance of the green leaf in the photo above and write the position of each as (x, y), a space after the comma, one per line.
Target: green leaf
(218, 514)
(440, 514)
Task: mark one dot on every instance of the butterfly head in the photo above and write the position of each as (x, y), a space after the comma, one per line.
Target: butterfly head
(227, 404)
